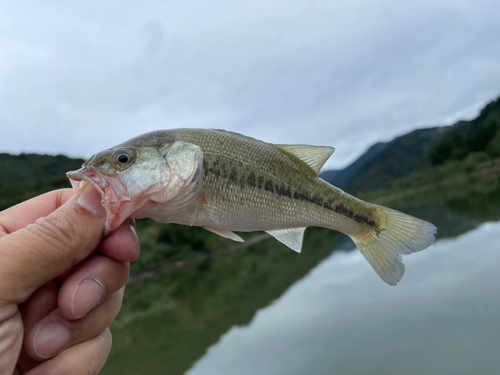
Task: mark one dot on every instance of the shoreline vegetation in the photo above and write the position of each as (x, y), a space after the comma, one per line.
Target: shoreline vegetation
(167, 267)
(400, 192)
(420, 166)
(450, 176)
(190, 286)
(169, 319)
(425, 165)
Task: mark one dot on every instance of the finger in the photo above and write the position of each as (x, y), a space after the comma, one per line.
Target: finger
(86, 358)
(32, 256)
(39, 305)
(23, 214)
(11, 340)
(90, 284)
(55, 333)
(122, 244)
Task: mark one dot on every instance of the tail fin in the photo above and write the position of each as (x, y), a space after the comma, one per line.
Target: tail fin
(396, 234)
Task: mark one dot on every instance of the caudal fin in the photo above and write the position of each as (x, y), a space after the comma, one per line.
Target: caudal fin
(396, 234)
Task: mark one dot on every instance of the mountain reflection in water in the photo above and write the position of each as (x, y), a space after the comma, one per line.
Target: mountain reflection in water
(443, 318)
(261, 310)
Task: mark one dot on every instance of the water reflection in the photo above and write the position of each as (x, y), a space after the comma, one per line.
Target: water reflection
(441, 319)
(338, 317)
(167, 323)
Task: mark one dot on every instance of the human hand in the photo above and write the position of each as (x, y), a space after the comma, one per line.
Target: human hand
(57, 293)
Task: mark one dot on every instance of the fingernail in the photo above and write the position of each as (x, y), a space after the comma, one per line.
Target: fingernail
(133, 226)
(133, 231)
(87, 295)
(90, 200)
(50, 339)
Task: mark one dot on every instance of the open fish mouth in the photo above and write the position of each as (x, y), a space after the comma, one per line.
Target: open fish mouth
(77, 178)
(112, 197)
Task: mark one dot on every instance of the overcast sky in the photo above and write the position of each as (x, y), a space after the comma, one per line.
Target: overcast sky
(78, 77)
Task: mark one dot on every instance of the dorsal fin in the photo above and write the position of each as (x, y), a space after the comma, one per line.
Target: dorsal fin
(313, 156)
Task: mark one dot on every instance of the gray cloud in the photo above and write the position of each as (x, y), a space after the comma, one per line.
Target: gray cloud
(80, 77)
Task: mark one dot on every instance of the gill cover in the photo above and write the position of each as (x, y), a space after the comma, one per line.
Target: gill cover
(185, 164)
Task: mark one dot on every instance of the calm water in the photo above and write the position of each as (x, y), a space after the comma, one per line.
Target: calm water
(443, 318)
(266, 310)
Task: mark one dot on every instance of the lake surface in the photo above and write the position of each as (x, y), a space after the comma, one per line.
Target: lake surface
(443, 318)
(266, 310)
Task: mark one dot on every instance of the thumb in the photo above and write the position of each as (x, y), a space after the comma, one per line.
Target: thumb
(32, 256)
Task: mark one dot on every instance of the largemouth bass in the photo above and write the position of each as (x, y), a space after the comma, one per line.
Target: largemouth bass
(225, 182)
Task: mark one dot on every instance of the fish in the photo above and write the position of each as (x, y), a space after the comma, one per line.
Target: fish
(226, 182)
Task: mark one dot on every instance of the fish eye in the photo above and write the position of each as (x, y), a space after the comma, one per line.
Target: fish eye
(122, 159)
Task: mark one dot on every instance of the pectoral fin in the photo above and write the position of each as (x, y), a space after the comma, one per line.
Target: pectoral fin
(200, 201)
(225, 233)
(290, 237)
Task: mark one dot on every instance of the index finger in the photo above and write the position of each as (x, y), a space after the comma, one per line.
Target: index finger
(23, 214)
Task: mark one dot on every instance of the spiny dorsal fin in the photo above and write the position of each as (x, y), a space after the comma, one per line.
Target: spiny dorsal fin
(290, 237)
(225, 233)
(313, 156)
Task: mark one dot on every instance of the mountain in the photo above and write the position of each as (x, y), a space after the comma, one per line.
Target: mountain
(27, 175)
(340, 178)
(480, 135)
(385, 162)
(475, 140)
(400, 157)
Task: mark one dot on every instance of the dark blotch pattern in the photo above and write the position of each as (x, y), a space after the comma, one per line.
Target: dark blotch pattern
(220, 170)
(233, 176)
(328, 205)
(285, 191)
(260, 182)
(363, 220)
(269, 186)
(251, 180)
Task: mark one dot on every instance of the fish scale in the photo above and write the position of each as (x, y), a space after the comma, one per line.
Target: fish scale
(224, 182)
(245, 206)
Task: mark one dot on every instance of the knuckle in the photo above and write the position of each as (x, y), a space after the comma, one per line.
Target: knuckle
(59, 198)
(59, 231)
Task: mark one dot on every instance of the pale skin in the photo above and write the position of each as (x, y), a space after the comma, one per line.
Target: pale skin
(61, 283)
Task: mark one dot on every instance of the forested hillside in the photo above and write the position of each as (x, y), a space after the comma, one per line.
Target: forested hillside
(399, 158)
(413, 160)
(340, 178)
(27, 175)
(480, 136)
(471, 142)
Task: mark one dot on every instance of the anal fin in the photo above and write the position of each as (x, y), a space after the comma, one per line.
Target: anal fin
(290, 237)
(225, 233)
